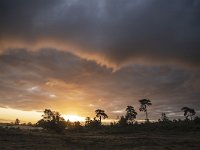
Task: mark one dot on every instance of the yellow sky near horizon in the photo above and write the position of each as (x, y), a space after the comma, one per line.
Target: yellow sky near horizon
(9, 115)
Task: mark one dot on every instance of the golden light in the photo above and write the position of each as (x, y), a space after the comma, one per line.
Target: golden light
(74, 118)
(9, 115)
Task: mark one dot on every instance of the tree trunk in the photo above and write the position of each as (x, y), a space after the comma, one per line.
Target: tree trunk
(147, 116)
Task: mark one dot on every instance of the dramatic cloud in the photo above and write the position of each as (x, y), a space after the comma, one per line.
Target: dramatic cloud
(111, 32)
(50, 52)
(59, 80)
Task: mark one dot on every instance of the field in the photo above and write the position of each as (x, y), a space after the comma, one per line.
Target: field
(16, 139)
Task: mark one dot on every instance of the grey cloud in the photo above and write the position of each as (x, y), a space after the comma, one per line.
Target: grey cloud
(121, 32)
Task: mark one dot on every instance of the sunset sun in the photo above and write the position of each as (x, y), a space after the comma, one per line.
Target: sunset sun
(74, 118)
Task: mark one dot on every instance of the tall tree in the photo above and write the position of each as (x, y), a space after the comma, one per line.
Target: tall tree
(130, 114)
(101, 113)
(188, 112)
(143, 106)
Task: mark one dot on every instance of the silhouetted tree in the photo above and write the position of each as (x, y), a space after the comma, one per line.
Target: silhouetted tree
(163, 118)
(29, 124)
(197, 120)
(101, 113)
(87, 121)
(17, 121)
(122, 121)
(68, 124)
(143, 106)
(52, 121)
(188, 112)
(77, 125)
(92, 123)
(130, 114)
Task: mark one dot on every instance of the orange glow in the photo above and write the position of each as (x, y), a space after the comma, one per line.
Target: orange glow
(9, 115)
(74, 118)
(67, 46)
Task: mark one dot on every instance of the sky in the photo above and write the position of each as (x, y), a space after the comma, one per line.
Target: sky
(76, 56)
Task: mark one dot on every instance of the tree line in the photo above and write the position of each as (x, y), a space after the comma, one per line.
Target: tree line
(53, 121)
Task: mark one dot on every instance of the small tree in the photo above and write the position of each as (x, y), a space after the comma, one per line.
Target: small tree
(29, 124)
(122, 121)
(143, 106)
(77, 125)
(188, 112)
(68, 124)
(92, 123)
(163, 118)
(17, 121)
(101, 113)
(130, 114)
(87, 121)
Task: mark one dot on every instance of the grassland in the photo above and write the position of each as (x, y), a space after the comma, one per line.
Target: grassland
(16, 139)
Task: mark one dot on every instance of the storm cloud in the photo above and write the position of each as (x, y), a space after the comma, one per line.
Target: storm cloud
(113, 33)
(100, 54)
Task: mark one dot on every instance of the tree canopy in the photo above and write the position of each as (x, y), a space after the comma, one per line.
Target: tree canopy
(52, 120)
(188, 112)
(130, 114)
(101, 113)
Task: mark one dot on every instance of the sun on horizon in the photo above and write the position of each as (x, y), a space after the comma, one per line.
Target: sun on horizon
(73, 118)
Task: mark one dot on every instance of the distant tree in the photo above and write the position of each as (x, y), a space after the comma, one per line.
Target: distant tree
(87, 121)
(163, 118)
(113, 124)
(122, 121)
(29, 124)
(17, 121)
(130, 114)
(197, 120)
(68, 124)
(52, 121)
(188, 112)
(143, 106)
(77, 125)
(92, 123)
(101, 113)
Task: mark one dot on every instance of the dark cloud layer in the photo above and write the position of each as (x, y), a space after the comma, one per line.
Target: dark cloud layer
(112, 32)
